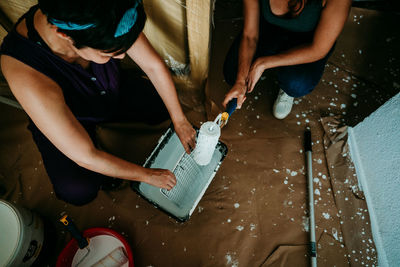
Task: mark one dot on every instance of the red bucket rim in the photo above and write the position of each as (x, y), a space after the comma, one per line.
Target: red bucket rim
(67, 254)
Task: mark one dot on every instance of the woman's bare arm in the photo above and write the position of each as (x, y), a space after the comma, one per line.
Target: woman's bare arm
(247, 49)
(43, 101)
(330, 25)
(150, 62)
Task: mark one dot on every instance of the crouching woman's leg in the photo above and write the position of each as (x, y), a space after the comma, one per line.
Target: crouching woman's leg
(72, 183)
(300, 80)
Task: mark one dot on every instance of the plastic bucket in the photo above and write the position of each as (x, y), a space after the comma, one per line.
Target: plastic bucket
(66, 257)
(21, 237)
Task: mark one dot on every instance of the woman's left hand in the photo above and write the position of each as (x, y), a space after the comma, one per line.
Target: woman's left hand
(186, 134)
(255, 72)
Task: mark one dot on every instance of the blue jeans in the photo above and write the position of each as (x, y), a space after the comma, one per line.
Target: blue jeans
(297, 80)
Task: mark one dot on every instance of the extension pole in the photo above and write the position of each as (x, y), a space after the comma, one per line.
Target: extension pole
(308, 151)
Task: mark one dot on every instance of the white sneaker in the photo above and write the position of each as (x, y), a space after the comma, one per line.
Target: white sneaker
(283, 105)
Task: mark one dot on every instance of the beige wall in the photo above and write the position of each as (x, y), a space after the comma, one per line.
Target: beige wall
(15, 8)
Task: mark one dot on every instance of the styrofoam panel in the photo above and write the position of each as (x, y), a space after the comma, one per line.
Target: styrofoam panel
(375, 149)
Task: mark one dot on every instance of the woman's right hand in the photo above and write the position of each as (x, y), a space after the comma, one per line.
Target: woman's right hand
(161, 178)
(238, 91)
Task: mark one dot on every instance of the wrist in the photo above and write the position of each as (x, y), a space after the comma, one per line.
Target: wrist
(179, 119)
(241, 82)
(262, 62)
(143, 175)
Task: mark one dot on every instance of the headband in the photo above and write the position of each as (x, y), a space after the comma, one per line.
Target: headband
(124, 26)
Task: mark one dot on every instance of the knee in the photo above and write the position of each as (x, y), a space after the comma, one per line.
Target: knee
(298, 86)
(77, 194)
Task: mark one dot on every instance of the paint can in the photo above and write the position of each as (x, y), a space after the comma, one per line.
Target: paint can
(206, 142)
(22, 235)
(103, 243)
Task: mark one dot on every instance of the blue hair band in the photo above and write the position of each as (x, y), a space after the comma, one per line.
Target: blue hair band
(70, 25)
(124, 26)
(127, 21)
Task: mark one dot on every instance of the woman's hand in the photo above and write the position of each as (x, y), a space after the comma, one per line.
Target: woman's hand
(256, 70)
(186, 134)
(238, 91)
(160, 178)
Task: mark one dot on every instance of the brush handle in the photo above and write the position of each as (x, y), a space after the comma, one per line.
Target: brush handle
(231, 107)
(68, 223)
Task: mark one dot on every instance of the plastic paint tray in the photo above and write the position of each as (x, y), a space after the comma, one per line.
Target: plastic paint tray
(181, 201)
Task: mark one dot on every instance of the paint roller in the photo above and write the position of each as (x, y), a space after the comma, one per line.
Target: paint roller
(209, 134)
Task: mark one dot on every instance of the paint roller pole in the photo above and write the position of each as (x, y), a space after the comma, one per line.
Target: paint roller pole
(308, 150)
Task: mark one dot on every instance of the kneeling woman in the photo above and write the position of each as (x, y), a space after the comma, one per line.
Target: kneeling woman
(294, 36)
(61, 62)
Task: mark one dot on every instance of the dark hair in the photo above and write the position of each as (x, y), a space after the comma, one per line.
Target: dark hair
(104, 14)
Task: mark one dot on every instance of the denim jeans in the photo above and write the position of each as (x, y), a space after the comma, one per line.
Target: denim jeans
(296, 80)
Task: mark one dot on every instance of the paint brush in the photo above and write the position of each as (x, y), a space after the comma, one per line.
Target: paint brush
(83, 243)
(308, 151)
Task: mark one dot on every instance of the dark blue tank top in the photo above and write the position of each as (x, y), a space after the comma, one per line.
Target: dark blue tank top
(306, 21)
(91, 94)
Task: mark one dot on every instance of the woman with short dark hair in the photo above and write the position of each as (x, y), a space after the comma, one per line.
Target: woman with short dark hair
(61, 62)
(294, 36)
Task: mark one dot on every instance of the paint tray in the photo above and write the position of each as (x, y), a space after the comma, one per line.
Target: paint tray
(192, 179)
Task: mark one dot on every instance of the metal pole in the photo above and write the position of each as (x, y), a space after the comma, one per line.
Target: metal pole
(308, 151)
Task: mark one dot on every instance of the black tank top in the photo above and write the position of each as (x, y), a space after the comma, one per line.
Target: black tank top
(306, 21)
(91, 94)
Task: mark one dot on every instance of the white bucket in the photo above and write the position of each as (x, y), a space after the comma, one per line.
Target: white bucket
(21, 235)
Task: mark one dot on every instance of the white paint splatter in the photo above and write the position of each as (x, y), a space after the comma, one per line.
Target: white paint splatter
(239, 228)
(275, 170)
(231, 259)
(317, 192)
(293, 173)
(306, 224)
(252, 227)
(326, 215)
(335, 233)
(236, 205)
